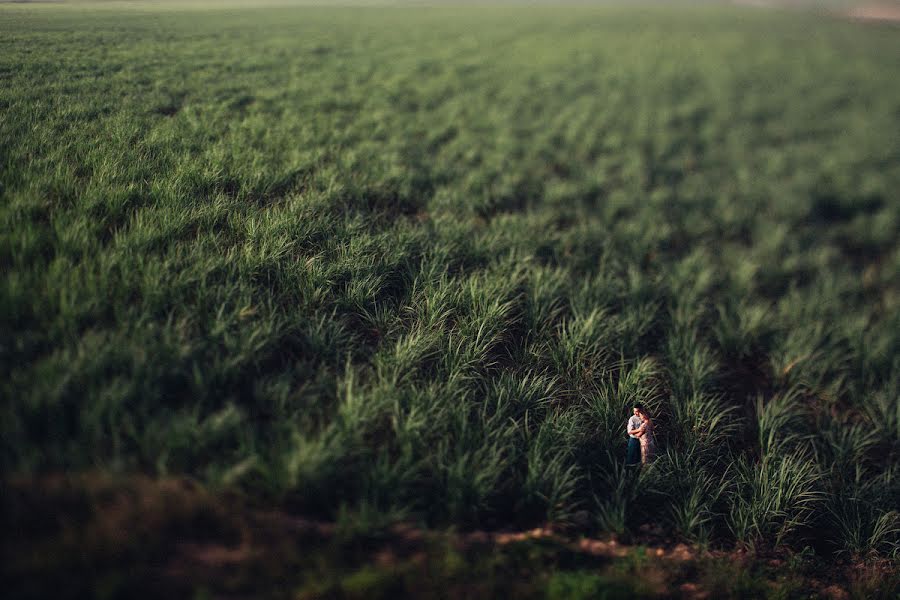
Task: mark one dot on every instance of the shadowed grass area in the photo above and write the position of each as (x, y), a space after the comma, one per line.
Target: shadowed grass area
(418, 263)
(135, 537)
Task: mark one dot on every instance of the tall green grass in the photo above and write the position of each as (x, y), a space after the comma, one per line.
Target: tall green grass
(419, 263)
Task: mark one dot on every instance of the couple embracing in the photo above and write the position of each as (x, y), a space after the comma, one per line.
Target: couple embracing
(641, 442)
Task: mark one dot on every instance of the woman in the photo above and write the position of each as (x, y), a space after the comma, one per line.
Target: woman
(645, 435)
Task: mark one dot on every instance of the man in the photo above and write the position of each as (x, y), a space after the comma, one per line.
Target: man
(633, 454)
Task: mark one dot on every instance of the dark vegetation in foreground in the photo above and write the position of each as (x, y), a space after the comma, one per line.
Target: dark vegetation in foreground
(416, 264)
(134, 537)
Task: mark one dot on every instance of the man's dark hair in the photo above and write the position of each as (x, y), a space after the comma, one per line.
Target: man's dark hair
(638, 406)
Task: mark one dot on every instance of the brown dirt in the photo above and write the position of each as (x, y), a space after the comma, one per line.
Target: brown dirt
(870, 12)
(876, 12)
(883, 12)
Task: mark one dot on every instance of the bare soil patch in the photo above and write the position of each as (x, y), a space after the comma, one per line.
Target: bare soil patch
(876, 12)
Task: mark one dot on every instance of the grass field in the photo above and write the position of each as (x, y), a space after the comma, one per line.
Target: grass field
(371, 265)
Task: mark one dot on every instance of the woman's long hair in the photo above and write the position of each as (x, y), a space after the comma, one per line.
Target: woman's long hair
(643, 412)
